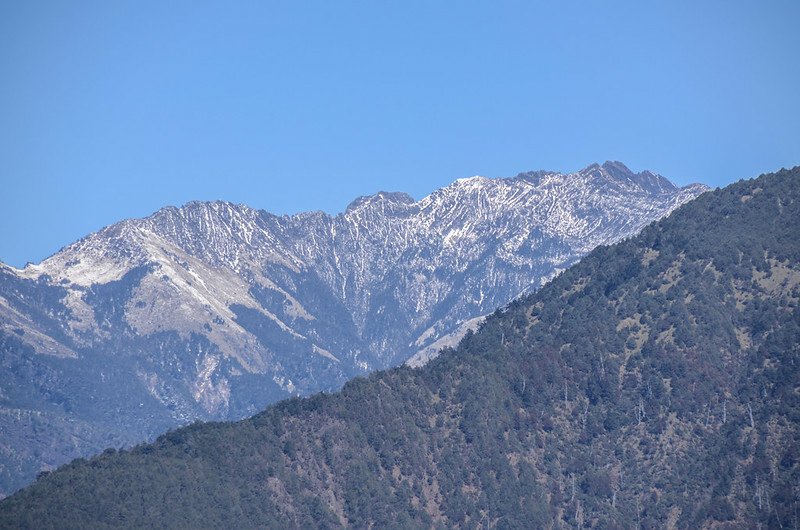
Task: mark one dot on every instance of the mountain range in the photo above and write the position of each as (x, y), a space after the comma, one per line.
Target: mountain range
(652, 385)
(215, 310)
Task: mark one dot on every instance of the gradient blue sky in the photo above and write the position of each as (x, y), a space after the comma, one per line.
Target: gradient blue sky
(111, 110)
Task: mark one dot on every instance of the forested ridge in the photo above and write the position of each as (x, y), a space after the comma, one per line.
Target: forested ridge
(654, 384)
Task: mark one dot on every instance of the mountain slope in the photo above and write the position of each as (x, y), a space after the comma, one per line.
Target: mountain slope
(654, 384)
(215, 310)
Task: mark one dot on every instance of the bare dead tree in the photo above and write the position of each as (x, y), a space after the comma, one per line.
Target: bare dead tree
(758, 493)
(572, 498)
(638, 513)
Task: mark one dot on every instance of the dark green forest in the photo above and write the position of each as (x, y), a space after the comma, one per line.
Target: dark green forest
(654, 384)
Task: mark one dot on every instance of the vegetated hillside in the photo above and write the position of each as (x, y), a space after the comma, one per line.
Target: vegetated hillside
(655, 384)
(213, 311)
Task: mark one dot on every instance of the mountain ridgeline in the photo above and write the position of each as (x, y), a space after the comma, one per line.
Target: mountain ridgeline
(215, 310)
(654, 384)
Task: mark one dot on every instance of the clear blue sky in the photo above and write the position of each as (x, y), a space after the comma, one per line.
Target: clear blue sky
(111, 109)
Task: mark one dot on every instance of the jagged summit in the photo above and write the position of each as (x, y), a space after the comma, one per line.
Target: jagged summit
(475, 179)
(213, 309)
(382, 197)
(612, 173)
(225, 233)
(222, 221)
(650, 182)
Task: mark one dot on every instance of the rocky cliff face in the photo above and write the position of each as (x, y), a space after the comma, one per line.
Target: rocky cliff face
(214, 310)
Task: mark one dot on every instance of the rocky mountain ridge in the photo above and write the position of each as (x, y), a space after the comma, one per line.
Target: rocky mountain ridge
(654, 384)
(214, 310)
